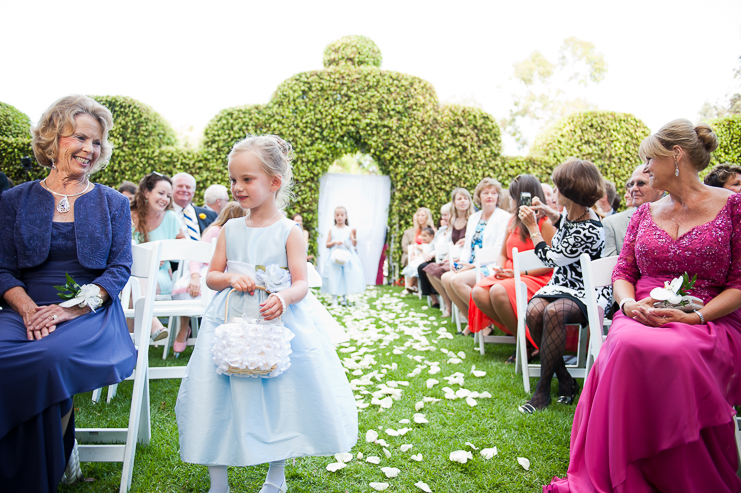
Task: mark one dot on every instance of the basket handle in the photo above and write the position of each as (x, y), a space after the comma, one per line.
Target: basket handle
(226, 304)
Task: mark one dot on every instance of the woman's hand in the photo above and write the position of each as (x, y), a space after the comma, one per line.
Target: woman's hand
(504, 274)
(242, 282)
(271, 309)
(541, 208)
(45, 320)
(463, 267)
(643, 311)
(194, 285)
(429, 256)
(529, 218)
(460, 242)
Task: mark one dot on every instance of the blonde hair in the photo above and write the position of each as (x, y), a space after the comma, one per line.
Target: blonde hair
(428, 223)
(698, 142)
(454, 209)
(347, 220)
(230, 211)
(447, 209)
(275, 154)
(483, 185)
(59, 121)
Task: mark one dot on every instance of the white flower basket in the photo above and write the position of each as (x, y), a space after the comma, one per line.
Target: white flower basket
(251, 348)
(340, 256)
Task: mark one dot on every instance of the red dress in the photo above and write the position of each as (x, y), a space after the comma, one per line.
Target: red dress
(476, 319)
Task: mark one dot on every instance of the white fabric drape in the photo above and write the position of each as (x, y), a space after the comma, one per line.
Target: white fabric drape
(366, 198)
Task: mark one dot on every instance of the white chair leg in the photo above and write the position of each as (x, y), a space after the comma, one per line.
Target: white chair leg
(96, 394)
(481, 342)
(457, 315)
(173, 325)
(111, 392)
(737, 422)
(517, 352)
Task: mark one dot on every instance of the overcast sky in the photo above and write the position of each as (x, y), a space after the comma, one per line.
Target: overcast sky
(189, 60)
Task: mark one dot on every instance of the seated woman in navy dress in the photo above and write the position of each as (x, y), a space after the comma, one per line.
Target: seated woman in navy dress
(63, 224)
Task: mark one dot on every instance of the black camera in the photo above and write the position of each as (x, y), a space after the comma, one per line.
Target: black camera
(27, 164)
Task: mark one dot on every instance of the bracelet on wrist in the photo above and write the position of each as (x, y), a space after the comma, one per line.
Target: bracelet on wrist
(282, 303)
(623, 302)
(532, 236)
(702, 318)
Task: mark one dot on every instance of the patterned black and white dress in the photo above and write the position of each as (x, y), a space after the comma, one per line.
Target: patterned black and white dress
(569, 242)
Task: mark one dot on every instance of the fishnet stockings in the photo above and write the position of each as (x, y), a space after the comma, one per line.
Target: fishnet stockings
(547, 320)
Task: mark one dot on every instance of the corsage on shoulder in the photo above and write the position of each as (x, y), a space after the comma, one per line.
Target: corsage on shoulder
(74, 294)
(675, 294)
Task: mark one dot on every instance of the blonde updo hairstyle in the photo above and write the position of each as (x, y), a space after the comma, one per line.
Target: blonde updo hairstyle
(698, 142)
(275, 154)
(59, 121)
(483, 185)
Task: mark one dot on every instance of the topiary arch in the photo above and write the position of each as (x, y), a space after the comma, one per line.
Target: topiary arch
(353, 105)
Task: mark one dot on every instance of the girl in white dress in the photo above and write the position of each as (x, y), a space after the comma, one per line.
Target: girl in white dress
(309, 409)
(343, 273)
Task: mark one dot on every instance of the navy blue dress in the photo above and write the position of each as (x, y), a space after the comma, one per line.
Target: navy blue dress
(39, 378)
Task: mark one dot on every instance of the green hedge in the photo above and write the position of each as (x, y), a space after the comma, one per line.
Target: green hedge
(354, 51)
(608, 139)
(13, 122)
(728, 130)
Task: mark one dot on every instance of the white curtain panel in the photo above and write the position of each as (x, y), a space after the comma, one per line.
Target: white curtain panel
(366, 198)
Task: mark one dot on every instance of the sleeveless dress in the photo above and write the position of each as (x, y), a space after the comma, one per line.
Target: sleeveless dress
(40, 377)
(477, 320)
(307, 410)
(340, 280)
(656, 410)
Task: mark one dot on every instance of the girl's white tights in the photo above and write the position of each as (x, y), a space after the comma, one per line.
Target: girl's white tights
(219, 479)
(276, 475)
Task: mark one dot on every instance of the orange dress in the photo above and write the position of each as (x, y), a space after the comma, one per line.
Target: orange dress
(476, 319)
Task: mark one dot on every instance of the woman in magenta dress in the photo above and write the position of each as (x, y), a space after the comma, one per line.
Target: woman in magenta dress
(656, 411)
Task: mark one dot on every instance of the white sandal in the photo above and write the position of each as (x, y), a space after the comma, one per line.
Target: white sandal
(72, 473)
(283, 488)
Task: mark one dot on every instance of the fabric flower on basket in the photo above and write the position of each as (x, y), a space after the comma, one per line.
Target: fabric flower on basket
(274, 278)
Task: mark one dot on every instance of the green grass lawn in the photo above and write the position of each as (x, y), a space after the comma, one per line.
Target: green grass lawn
(395, 337)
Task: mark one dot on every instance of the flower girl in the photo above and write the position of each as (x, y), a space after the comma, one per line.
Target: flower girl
(343, 273)
(306, 406)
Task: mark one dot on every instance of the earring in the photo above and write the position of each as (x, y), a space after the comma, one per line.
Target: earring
(676, 170)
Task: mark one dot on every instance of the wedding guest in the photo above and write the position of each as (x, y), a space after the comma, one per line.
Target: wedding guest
(627, 196)
(421, 219)
(486, 228)
(460, 213)
(657, 409)
(4, 183)
(127, 189)
(616, 225)
(493, 298)
(193, 219)
(441, 239)
(59, 226)
(299, 220)
(725, 176)
(216, 197)
(561, 302)
(154, 220)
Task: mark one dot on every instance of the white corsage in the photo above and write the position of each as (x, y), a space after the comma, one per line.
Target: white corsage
(670, 291)
(74, 294)
(274, 278)
(675, 294)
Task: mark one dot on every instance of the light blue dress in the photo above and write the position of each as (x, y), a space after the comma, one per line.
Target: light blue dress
(237, 421)
(340, 280)
(167, 230)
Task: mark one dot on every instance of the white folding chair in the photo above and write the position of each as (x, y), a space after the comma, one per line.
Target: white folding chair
(737, 422)
(597, 273)
(95, 443)
(524, 261)
(182, 251)
(454, 253)
(486, 256)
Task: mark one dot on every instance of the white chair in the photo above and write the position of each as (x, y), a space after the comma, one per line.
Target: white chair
(486, 256)
(524, 261)
(738, 443)
(95, 443)
(454, 253)
(597, 273)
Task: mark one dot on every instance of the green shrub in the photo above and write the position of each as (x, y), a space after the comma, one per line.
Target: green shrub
(728, 130)
(608, 139)
(352, 50)
(13, 123)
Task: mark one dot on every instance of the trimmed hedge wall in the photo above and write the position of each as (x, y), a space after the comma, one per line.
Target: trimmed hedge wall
(608, 139)
(13, 123)
(728, 130)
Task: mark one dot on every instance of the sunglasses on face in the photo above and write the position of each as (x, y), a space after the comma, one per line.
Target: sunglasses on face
(639, 184)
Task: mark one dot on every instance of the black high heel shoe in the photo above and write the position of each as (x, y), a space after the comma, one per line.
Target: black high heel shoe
(569, 399)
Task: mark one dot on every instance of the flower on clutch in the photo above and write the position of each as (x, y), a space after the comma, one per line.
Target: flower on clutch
(672, 292)
(274, 278)
(202, 215)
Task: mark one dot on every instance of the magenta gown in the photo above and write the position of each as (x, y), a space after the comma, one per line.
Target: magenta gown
(656, 411)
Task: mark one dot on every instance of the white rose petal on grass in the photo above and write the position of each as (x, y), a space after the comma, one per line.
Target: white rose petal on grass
(472, 445)
(485, 395)
(406, 447)
(343, 457)
(417, 457)
(404, 421)
(525, 463)
(423, 486)
(455, 361)
(382, 443)
(392, 433)
(431, 399)
(390, 472)
(373, 459)
(461, 456)
(433, 370)
(379, 486)
(336, 466)
(471, 401)
(371, 436)
(387, 453)
(478, 373)
(452, 397)
(488, 453)
(419, 405)
(360, 455)
(420, 419)
(431, 382)
(461, 355)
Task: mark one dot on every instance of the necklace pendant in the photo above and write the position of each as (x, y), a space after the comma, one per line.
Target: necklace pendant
(63, 205)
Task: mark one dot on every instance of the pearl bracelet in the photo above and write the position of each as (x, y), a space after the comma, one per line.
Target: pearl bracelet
(282, 303)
